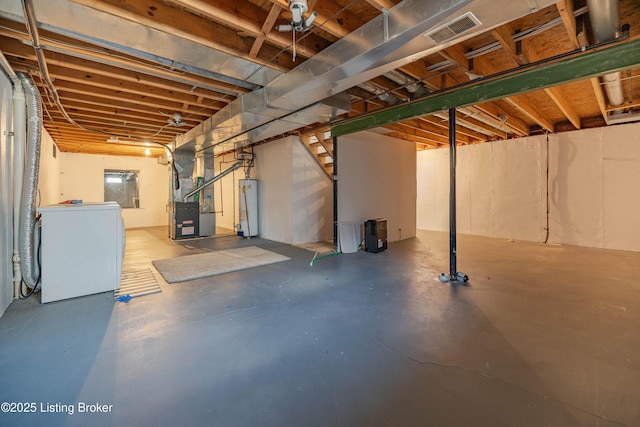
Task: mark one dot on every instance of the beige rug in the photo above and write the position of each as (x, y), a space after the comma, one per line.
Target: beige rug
(196, 266)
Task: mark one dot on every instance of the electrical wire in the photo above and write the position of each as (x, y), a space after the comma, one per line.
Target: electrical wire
(546, 239)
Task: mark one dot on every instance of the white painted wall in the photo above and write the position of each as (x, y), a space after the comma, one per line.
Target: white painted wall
(312, 198)
(594, 187)
(274, 166)
(502, 186)
(295, 196)
(377, 179)
(499, 189)
(6, 193)
(49, 175)
(82, 177)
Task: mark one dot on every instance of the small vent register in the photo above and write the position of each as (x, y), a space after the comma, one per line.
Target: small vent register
(454, 28)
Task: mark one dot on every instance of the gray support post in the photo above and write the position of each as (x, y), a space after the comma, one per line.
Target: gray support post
(335, 194)
(453, 271)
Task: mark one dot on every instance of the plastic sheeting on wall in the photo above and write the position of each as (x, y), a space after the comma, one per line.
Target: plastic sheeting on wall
(296, 197)
(377, 179)
(498, 189)
(6, 192)
(594, 191)
(593, 196)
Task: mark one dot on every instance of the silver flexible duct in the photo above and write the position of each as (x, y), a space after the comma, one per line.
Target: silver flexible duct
(30, 185)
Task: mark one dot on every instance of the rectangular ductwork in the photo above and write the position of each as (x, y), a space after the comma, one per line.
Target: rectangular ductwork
(383, 44)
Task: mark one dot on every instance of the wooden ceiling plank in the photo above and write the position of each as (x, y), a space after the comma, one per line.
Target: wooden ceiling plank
(564, 105)
(84, 69)
(188, 26)
(444, 124)
(65, 76)
(426, 126)
(381, 4)
(107, 118)
(131, 99)
(495, 113)
(80, 101)
(425, 133)
(84, 54)
(246, 18)
(522, 104)
(415, 139)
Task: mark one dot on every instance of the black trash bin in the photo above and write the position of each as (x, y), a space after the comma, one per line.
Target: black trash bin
(375, 235)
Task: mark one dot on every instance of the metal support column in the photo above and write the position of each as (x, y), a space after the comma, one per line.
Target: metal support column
(453, 271)
(335, 194)
(454, 274)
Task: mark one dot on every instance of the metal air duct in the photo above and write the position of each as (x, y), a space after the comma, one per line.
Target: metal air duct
(407, 82)
(30, 185)
(605, 22)
(379, 92)
(385, 43)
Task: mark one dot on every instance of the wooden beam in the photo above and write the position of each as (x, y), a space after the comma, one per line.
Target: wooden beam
(565, 9)
(82, 54)
(523, 105)
(415, 139)
(381, 4)
(504, 35)
(561, 101)
(444, 124)
(456, 54)
(417, 133)
(267, 26)
(600, 98)
(502, 119)
(197, 29)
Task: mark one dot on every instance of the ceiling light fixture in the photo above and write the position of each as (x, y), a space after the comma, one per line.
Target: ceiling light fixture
(298, 23)
(176, 120)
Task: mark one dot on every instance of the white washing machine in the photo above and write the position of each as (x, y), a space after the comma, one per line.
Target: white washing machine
(82, 249)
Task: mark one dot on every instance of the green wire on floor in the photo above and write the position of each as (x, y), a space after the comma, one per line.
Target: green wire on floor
(317, 258)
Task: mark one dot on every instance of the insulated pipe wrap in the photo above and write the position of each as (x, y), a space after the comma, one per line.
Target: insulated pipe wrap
(30, 185)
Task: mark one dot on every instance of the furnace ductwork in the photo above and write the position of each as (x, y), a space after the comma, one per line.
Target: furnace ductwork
(30, 182)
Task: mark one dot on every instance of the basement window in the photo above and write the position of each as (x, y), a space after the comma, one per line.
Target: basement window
(121, 186)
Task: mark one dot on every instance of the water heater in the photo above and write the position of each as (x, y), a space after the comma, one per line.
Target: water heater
(248, 192)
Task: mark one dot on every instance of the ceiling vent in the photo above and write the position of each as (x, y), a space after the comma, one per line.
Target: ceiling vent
(454, 28)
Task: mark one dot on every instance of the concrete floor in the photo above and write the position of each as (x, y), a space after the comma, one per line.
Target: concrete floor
(543, 336)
